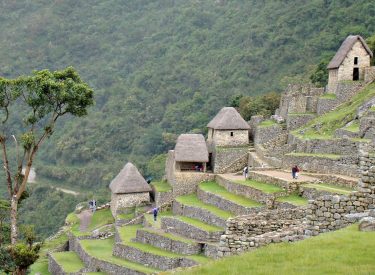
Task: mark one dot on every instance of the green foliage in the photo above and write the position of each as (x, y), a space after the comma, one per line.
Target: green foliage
(7, 264)
(320, 76)
(259, 105)
(371, 43)
(156, 166)
(24, 255)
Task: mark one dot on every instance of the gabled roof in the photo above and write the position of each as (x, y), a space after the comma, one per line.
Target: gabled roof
(129, 180)
(345, 47)
(228, 119)
(191, 148)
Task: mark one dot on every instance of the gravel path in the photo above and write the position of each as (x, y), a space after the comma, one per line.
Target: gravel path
(85, 218)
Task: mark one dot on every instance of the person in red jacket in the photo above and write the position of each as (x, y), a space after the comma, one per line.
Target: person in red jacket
(295, 171)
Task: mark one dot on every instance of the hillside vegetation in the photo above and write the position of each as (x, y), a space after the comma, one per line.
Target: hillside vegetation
(160, 68)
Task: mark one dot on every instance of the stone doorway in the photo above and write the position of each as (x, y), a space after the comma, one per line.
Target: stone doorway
(356, 74)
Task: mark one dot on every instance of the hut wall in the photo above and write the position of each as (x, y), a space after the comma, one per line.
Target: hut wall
(119, 201)
(224, 138)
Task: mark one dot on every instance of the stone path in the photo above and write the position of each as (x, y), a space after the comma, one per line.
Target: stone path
(85, 219)
(67, 191)
(286, 176)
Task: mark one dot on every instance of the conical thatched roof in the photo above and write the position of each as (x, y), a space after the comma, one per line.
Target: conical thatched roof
(345, 47)
(228, 119)
(191, 148)
(129, 180)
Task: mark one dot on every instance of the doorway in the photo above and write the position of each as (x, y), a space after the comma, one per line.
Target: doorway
(356, 74)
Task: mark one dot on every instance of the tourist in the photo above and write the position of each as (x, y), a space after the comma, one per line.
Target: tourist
(245, 172)
(155, 212)
(295, 171)
(93, 205)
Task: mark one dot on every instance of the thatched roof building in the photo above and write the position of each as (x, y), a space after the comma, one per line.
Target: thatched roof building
(228, 119)
(191, 148)
(129, 180)
(344, 49)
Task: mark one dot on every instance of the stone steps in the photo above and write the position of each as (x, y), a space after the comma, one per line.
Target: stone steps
(167, 241)
(191, 228)
(190, 206)
(214, 194)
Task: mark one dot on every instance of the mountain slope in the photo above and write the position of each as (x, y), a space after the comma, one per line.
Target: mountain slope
(160, 68)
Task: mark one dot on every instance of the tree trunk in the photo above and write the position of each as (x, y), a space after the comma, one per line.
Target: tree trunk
(13, 219)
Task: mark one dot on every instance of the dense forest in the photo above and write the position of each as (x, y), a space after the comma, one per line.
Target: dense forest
(159, 68)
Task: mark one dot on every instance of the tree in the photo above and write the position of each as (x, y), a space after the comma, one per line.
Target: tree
(44, 97)
(4, 216)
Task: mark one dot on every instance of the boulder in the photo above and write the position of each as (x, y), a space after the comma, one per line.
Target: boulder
(367, 224)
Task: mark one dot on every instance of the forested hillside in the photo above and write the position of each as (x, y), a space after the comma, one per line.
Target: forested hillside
(160, 68)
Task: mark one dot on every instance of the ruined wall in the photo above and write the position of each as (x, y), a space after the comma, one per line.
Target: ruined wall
(119, 201)
(187, 182)
(294, 121)
(267, 133)
(369, 74)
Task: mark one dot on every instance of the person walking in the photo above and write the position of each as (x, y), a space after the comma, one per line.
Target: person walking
(155, 212)
(295, 171)
(246, 172)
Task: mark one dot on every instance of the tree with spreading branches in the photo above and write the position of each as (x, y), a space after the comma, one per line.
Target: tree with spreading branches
(44, 97)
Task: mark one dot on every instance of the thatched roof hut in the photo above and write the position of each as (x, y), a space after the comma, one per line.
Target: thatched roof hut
(191, 148)
(129, 180)
(345, 47)
(228, 119)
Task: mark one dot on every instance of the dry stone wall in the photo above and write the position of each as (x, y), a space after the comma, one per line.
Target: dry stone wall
(230, 159)
(266, 133)
(252, 231)
(294, 121)
(119, 201)
(370, 74)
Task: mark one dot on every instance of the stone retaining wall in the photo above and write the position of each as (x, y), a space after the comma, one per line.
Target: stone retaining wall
(225, 204)
(162, 197)
(312, 193)
(290, 187)
(370, 74)
(248, 191)
(294, 121)
(265, 134)
(343, 133)
(165, 243)
(187, 182)
(230, 159)
(179, 227)
(148, 259)
(251, 231)
(197, 213)
(93, 263)
(336, 180)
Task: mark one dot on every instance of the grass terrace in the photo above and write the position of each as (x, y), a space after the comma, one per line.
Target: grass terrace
(98, 219)
(102, 249)
(69, 261)
(330, 188)
(192, 200)
(323, 127)
(150, 218)
(353, 127)
(328, 96)
(326, 156)
(267, 123)
(168, 235)
(197, 223)
(264, 187)
(293, 199)
(346, 251)
(213, 187)
(161, 186)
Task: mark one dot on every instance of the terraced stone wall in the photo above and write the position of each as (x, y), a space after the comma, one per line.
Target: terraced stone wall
(328, 213)
(119, 201)
(370, 74)
(230, 159)
(294, 121)
(252, 231)
(264, 134)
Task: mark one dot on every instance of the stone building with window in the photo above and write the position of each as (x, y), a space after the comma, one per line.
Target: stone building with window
(350, 62)
(227, 141)
(129, 189)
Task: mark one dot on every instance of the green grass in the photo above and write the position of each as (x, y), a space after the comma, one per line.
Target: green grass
(197, 223)
(41, 265)
(327, 156)
(95, 273)
(330, 188)
(102, 249)
(267, 123)
(346, 251)
(213, 187)
(353, 127)
(293, 199)
(169, 236)
(324, 126)
(192, 200)
(328, 96)
(127, 216)
(162, 186)
(69, 261)
(150, 218)
(99, 219)
(264, 187)
(127, 233)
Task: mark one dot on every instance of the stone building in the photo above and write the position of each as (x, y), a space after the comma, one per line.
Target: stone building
(227, 141)
(349, 62)
(191, 153)
(129, 189)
